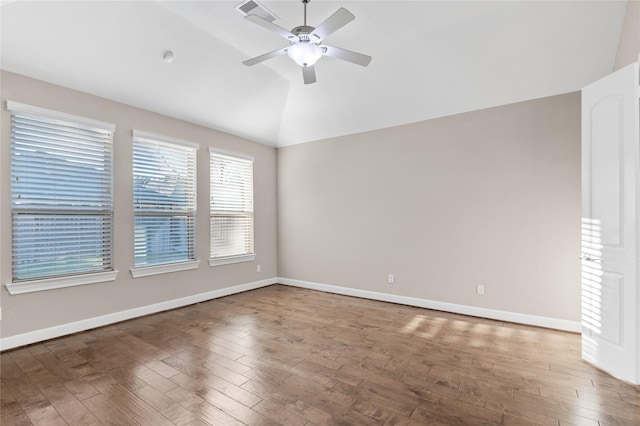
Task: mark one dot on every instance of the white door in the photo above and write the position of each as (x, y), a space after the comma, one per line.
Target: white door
(610, 294)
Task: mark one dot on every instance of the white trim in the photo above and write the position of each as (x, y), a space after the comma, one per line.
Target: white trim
(230, 154)
(231, 259)
(60, 282)
(164, 269)
(56, 115)
(89, 323)
(139, 134)
(538, 321)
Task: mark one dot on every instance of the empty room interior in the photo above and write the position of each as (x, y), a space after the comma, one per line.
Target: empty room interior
(320, 212)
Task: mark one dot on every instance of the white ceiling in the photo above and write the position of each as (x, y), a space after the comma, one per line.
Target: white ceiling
(430, 59)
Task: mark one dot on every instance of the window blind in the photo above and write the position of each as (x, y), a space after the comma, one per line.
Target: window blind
(164, 192)
(231, 205)
(61, 196)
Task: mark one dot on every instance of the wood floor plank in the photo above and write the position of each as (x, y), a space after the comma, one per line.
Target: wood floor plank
(543, 412)
(154, 379)
(107, 410)
(232, 365)
(451, 411)
(155, 399)
(187, 398)
(287, 356)
(130, 404)
(15, 419)
(26, 394)
(180, 416)
(275, 412)
(162, 368)
(8, 402)
(45, 415)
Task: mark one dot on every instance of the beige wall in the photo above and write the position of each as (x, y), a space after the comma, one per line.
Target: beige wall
(489, 197)
(629, 44)
(28, 312)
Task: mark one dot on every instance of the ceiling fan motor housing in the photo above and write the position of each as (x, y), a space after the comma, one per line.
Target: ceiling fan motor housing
(303, 32)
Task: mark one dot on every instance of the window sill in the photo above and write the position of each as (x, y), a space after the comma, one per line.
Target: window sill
(60, 282)
(231, 259)
(164, 269)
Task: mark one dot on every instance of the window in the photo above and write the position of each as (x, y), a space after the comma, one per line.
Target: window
(164, 204)
(231, 208)
(61, 199)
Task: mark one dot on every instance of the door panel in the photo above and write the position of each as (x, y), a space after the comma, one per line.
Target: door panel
(612, 297)
(606, 171)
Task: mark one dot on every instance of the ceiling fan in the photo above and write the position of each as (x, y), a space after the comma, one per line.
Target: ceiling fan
(305, 42)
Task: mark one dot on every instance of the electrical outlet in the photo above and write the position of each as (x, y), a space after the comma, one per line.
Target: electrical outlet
(258, 268)
(480, 289)
(391, 279)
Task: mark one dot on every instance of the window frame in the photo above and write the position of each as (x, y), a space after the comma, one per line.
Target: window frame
(180, 265)
(235, 258)
(48, 282)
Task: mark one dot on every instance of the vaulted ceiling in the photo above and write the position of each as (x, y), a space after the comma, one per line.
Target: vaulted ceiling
(430, 59)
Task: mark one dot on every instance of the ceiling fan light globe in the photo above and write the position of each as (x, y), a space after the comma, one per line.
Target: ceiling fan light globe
(305, 54)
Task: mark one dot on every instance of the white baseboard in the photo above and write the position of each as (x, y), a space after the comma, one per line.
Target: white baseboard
(538, 321)
(89, 323)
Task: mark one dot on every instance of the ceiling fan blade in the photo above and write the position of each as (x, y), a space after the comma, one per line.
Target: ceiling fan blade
(272, 27)
(309, 74)
(261, 58)
(333, 23)
(346, 55)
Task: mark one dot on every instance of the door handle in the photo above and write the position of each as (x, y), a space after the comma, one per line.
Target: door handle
(590, 258)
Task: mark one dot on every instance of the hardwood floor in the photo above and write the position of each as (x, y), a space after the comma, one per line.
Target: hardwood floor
(282, 355)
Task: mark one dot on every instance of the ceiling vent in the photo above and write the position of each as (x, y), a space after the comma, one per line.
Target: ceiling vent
(253, 7)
